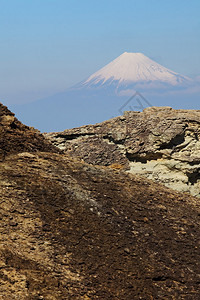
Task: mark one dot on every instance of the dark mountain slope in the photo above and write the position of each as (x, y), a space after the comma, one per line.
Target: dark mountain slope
(70, 230)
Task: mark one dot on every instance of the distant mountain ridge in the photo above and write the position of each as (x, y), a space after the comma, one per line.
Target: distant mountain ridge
(131, 68)
(102, 95)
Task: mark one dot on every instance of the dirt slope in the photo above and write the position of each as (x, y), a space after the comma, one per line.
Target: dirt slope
(70, 230)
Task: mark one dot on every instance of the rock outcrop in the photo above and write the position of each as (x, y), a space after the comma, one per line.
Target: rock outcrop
(16, 137)
(71, 230)
(159, 143)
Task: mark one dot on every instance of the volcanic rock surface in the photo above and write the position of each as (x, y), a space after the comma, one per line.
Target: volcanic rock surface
(159, 143)
(15, 137)
(71, 230)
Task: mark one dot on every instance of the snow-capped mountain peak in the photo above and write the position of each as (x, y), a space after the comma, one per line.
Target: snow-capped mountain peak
(130, 68)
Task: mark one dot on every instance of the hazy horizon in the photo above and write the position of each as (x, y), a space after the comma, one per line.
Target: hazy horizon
(48, 46)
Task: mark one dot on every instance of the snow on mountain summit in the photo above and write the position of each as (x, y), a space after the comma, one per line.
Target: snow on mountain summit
(134, 68)
(130, 82)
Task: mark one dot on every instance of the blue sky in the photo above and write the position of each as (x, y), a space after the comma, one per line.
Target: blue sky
(49, 45)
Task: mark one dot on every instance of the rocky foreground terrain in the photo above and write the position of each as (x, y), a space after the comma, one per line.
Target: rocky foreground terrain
(159, 143)
(72, 230)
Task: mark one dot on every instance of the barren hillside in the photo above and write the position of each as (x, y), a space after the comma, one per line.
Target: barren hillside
(71, 230)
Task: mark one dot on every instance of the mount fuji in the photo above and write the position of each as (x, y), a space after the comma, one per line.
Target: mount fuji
(134, 69)
(132, 81)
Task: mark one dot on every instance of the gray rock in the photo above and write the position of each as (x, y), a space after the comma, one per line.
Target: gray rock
(159, 143)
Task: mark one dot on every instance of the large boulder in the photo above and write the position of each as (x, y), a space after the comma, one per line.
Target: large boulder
(159, 143)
